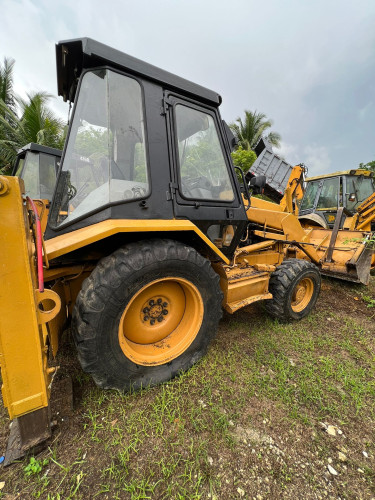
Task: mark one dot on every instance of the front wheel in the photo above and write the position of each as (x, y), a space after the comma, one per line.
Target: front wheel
(146, 313)
(295, 286)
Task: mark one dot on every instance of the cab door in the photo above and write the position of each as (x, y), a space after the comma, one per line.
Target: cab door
(328, 201)
(204, 188)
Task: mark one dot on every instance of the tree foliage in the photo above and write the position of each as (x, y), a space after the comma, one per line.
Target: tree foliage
(24, 120)
(367, 166)
(202, 155)
(254, 126)
(243, 158)
(6, 84)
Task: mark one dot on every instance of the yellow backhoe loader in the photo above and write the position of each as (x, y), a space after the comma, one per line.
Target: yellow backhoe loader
(148, 236)
(318, 198)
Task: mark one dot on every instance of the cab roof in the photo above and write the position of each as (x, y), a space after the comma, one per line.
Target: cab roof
(38, 148)
(366, 173)
(76, 55)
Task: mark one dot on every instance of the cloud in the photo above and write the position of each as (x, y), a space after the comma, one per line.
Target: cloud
(287, 151)
(317, 159)
(366, 111)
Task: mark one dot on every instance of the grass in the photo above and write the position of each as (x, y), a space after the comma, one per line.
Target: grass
(243, 422)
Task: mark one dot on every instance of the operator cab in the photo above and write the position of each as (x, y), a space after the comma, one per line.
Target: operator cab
(142, 144)
(324, 195)
(37, 165)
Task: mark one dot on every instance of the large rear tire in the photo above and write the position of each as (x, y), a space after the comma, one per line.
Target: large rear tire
(295, 286)
(146, 313)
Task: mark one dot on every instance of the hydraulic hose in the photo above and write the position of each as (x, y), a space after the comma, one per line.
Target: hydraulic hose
(39, 245)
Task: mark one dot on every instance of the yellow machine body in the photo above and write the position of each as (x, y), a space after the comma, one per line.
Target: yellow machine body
(23, 324)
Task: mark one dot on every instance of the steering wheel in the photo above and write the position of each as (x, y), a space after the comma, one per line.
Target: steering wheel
(201, 182)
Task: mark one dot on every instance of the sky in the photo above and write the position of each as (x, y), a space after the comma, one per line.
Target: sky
(308, 65)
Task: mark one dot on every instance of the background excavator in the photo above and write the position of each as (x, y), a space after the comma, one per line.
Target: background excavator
(147, 236)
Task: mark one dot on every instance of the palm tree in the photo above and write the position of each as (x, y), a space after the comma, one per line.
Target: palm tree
(249, 131)
(6, 84)
(37, 123)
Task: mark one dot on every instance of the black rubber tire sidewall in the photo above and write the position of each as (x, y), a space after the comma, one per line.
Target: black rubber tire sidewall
(97, 335)
(282, 285)
(314, 277)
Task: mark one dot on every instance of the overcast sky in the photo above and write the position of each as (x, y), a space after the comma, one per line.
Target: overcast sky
(309, 65)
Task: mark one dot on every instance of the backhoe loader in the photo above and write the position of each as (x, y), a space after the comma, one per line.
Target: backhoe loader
(148, 236)
(318, 199)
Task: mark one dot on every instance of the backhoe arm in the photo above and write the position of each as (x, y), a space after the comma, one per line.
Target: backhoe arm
(294, 189)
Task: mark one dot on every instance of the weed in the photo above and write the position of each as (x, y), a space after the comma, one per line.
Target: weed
(34, 466)
(370, 301)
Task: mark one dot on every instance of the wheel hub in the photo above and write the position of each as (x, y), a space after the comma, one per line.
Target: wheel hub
(161, 321)
(302, 294)
(154, 310)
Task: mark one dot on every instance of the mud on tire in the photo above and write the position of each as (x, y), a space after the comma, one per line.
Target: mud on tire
(112, 286)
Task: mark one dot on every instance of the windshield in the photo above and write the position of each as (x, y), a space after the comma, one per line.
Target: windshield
(329, 195)
(38, 174)
(310, 195)
(362, 187)
(105, 159)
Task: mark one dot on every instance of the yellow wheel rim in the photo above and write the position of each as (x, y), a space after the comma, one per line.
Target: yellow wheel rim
(161, 321)
(302, 294)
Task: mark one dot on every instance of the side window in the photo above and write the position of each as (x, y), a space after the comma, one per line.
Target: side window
(361, 187)
(202, 168)
(39, 175)
(329, 194)
(30, 175)
(20, 165)
(47, 176)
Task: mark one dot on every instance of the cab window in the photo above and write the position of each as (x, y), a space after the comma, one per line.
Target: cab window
(310, 195)
(39, 175)
(105, 159)
(329, 194)
(203, 171)
(362, 187)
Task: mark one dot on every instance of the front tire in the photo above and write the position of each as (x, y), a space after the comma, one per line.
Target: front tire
(295, 286)
(146, 313)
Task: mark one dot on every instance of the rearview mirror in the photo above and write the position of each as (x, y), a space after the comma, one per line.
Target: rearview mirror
(352, 197)
(257, 184)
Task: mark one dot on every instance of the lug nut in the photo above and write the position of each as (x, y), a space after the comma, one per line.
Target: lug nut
(165, 312)
(146, 310)
(160, 319)
(146, 318)
(165, 304)
(151, 303)
(152, 322)
(159, 301)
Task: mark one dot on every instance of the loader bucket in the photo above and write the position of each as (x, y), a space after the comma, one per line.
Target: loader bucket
(345, 255)
(357, 269)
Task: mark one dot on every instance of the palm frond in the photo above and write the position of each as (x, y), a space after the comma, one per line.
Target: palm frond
(249, 131)
(6, 82)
